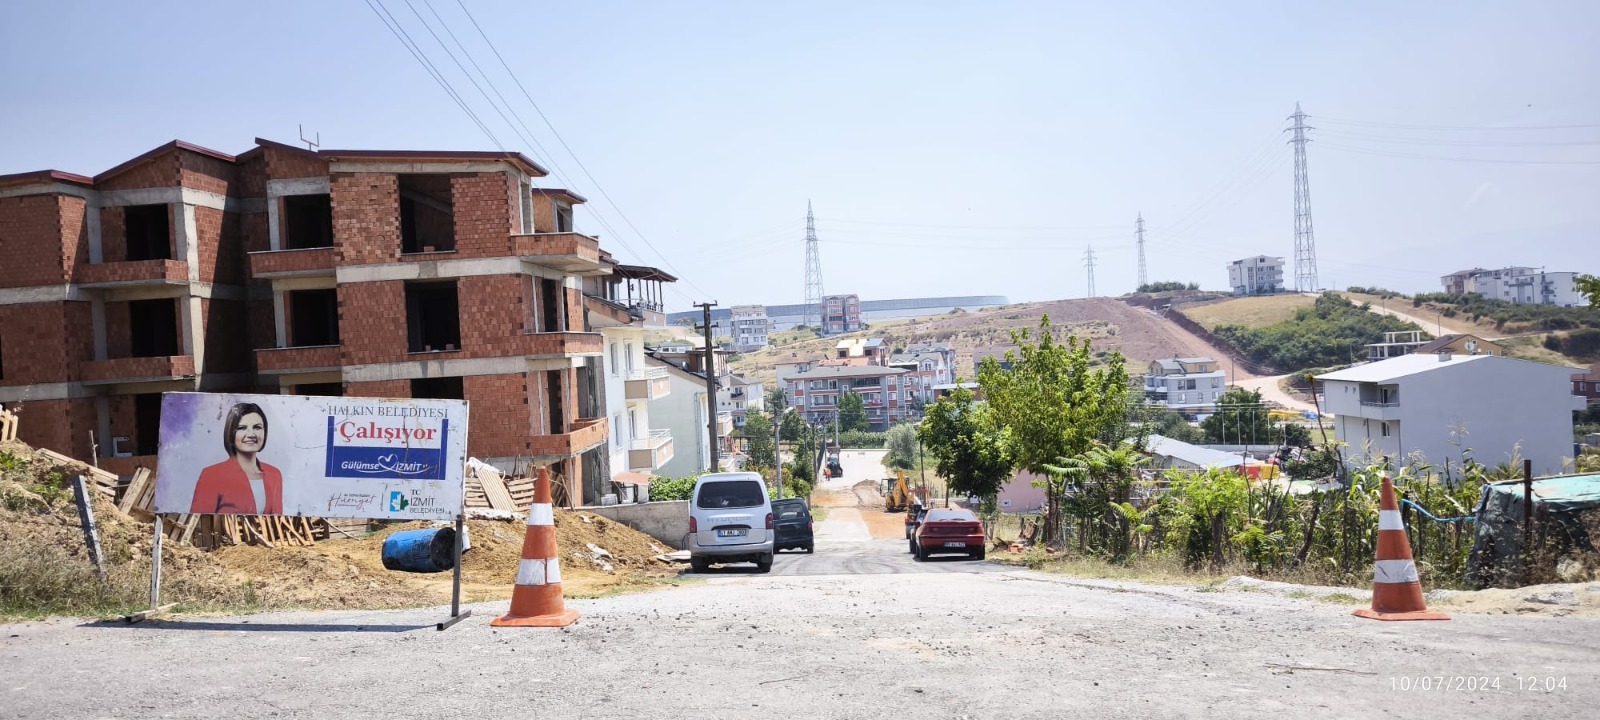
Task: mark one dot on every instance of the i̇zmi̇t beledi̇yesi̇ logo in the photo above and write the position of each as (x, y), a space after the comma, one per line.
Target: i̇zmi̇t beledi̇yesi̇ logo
(388, 442)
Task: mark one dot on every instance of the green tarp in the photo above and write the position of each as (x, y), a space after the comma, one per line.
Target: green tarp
(1558, 502)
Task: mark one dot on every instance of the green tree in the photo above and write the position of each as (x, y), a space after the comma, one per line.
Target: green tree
(1052, 403)
(776, 401)
(1589, 285)
(852, 412)
(758, 438)
(901, 442)
(969, 451)
(1241, 419)
(792, 426)
(1158, 420)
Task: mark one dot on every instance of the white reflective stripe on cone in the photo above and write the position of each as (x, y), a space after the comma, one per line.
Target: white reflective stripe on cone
(535, 572)
(1389, 571)
(552, 571)
(1390, 520)
(541, 514)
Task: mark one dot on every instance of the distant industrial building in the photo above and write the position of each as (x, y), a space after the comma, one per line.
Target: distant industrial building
(786, 317)
(1259, 275)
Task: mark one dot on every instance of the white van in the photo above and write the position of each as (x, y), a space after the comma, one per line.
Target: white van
(730, 520)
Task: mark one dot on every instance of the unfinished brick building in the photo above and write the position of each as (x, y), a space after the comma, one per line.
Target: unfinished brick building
(362, 273)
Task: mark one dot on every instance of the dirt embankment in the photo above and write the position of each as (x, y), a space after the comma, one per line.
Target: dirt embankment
(45, 567)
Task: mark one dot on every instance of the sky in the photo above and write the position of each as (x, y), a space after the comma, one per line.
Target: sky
(948, 148)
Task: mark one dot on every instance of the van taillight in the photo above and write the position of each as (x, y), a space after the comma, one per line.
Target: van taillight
(769, 521)
(694, 526)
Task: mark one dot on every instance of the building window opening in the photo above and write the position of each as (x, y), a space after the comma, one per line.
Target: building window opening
(526, 194)
(332, 389)
(307, 221)
(313, 318)
(550, 304)
(440, 388)
(563, 219)
(147, 232)
(153, 328)
(146, 423)
(558, 415)
(433, 322)
(427, 214)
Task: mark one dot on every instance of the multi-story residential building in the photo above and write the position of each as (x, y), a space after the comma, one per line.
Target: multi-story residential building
(927, 365)
(1460, 345)
(814, 390)
(1521, 285)
(739, 396)
(1436, 407)
(683, 413)
(1395, 344)
(861, 351)
(749, 327)
(1259, 275)
(637, 448)
(366, 273)
(1189, 385)
(1587, 384)
(841, 314)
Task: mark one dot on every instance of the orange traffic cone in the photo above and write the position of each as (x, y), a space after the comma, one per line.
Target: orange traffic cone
(1396, 591)
(536, 601)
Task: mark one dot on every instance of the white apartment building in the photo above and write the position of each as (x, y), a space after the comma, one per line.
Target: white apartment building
(1521, 285)
(683, 413)
(738, 396)
(637, 449)
(1192, 384)
(750, 327)
(1259, 275)
(928, 365)
(1434, 407)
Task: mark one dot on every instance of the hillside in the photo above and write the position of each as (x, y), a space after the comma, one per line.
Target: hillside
(1109, 324)
(1250, 312)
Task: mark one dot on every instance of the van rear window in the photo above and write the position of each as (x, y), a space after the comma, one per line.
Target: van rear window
(731, 494)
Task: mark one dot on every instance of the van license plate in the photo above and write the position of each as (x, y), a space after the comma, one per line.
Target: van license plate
(731, 533)
(955, 544)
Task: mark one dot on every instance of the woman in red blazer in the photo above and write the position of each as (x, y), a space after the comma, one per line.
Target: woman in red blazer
(241, 485)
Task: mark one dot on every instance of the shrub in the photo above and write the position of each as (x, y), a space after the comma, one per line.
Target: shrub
(861, 440)
(1331, 332)
(663, 489)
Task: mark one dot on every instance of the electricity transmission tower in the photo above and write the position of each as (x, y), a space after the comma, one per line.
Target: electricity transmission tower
(1305, 238)
(1138, 231)
(813, 313)
(1088, 262)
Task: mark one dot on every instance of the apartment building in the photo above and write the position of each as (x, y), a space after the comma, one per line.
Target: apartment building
(1433, 408)
(841, 314)
(1515, 284)
(927, 366)
(1259, 275)
(622, 306)
(1396, 344)
(683, 413)
(738, 397)
(1190, 385)
(861, 351)
(369, 273)
(814, 391)
(749, 327)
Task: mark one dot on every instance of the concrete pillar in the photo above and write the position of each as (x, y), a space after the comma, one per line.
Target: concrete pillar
(280, 320)
(273, 203)
(102, 412)
(92, 227)
(97, 315)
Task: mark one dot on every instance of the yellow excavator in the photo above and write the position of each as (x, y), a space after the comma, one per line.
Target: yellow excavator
(901, 494)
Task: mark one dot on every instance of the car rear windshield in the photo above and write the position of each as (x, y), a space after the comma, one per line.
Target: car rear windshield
(951, 516)
(789, 510)
(731, 494)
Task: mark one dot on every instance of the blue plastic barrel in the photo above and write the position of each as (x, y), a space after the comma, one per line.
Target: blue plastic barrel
(421, 551)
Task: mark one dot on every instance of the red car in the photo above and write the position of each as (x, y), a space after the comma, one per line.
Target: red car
(955, 530)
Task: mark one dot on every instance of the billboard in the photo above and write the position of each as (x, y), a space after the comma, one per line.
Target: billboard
(313, 456)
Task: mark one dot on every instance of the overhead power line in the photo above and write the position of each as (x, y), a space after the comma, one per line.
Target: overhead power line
(1417, 156)
(1403, 126)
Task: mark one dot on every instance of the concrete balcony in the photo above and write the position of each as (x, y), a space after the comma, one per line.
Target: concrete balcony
(1373, 410)
(584, 435)
(139, 369)
(648, 384)
(651, 451)
(292, 263)
(568, 252)
(133, 273)
(561, 344)
(724, 424)
(283, 361)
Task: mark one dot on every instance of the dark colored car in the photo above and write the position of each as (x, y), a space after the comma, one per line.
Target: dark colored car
(793, 521)
(914, 516)
(953, 530)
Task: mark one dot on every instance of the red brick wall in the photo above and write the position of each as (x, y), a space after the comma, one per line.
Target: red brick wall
(74, 232)
(226, 336)
(113, 244)
(366, 217)
(285, 164)
(500, 422)
(31, 241)
(44, 342)
(379, 389)
(492, 314)
(575, 321)
(206, 173)
(119, 342)
(372, 322)
(59, 425)
(483, 214)
(222, 258)
(263, 326)
(158, 172)
(252, 177)
(253, 232)
(544, 214)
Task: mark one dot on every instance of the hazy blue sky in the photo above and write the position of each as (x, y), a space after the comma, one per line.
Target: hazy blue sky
(949, 148)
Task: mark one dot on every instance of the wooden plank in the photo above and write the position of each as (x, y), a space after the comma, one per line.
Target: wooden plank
(189, 527)
(494, 488)
(135, 490)
(143, 614)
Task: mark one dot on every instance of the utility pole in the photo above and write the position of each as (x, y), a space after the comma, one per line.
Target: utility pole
(711, 386)
(1305, 241)
(1138, 232)
(1088, 262)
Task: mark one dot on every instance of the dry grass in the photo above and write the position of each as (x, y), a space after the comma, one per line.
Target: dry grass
(1252, 312)
(1531, 347)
